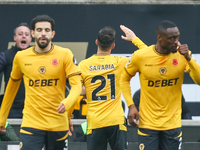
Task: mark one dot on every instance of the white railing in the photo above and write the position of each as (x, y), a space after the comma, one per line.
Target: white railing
(79, 121)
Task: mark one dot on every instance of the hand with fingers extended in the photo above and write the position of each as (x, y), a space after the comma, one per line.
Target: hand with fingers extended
(129, 34)
(133, 115)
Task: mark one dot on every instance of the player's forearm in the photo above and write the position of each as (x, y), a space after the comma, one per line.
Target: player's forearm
(70, 111)
(194, 71)
(10, 93)
(139, 43)
(76, 88)
(126, 89)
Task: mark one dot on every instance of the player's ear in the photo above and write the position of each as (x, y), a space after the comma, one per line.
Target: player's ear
(159, 37)
(33, 33)
(113, 45)
(53, 33)
(96, 42)
(14, 37)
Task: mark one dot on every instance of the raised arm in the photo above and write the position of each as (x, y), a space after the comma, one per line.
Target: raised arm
(193, 68)
(130, 36)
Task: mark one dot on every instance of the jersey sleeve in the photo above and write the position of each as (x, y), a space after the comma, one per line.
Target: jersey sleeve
(193, 69)
(139, 43)
(129, 70)
(71, 66)
(11, 91)
(16, 73)
(74, 77)
(76, 88)
(12, 87)
(70, 111)
(82, 68)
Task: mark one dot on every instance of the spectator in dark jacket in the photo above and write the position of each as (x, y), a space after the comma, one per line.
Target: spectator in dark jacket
(22, 38)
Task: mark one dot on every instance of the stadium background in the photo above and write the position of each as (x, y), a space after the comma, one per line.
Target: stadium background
(78, 22)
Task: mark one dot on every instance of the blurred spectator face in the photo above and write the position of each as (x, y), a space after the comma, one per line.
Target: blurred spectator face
(22, 37)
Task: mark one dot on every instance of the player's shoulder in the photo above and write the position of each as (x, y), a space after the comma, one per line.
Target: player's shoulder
(144, 51)
(121, 59)
(61, 49)
(98, 59)
(25, 51)
(87, 60)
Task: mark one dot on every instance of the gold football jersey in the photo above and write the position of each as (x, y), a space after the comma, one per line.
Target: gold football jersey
(44, 79)
(161, 78)
(101, 77)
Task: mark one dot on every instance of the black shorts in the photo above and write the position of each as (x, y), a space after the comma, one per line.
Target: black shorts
(34, 139)
(159, 140)
(116, 136)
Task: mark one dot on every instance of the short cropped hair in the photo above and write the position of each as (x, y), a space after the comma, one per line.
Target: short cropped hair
(162, 26)
(21, 24)
(106, 37)
(41, 18)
